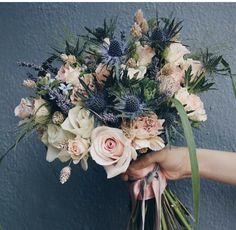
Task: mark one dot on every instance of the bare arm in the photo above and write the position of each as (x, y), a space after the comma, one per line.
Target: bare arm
(175, 164)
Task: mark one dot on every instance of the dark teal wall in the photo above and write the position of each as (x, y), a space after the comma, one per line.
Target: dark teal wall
(31, 197)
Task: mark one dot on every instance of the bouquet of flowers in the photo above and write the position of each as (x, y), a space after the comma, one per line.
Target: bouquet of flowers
(112, 99)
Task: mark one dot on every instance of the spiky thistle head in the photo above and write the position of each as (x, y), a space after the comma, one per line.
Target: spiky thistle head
(96, 102)
(130, 105)
(95, 99)
(163, 34)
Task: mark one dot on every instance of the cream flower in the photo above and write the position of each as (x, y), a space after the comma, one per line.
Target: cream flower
(69, 75)
(40, 108)
(24, 109)
(170, 79)
(78, 149)
(196, 65)
(79, 122)
(144, 131)
(137, 73)
(193, 104)
(175, 53)
(55, 138)
(145, 54)
(111, 149)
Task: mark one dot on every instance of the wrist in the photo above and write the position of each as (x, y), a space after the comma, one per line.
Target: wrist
(201, 166)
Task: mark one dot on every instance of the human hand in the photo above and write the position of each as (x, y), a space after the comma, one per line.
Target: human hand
(174, 163)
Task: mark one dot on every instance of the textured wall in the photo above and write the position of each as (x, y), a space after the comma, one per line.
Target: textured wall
(31, 197)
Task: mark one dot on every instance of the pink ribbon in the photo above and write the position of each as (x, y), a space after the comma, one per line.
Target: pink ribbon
(148, 183)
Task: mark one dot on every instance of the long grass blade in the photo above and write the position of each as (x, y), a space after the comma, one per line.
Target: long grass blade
(193, 157)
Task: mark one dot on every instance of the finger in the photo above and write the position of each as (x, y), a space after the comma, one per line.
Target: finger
(143, 162)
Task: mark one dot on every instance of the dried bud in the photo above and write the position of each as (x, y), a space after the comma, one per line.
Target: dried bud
(58, 118)
(65, 174)
(136, 31)
(143, 150)
(131, 63)
(144, 26)
(29, 83)
(138, 17)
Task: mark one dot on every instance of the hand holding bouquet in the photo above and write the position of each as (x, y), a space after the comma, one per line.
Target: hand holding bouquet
(114, 99)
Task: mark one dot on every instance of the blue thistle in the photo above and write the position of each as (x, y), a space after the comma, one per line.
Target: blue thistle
(95, 101)
(130, 106)
(115, 49)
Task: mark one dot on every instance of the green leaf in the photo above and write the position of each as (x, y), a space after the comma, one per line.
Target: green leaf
(193, 156)
(226, 65)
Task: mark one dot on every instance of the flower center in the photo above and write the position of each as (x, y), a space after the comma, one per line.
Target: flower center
(110, 144)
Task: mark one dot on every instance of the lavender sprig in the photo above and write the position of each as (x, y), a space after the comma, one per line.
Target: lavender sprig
(61, 100)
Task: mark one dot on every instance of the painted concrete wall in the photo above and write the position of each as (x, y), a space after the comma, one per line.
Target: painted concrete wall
(31, 197)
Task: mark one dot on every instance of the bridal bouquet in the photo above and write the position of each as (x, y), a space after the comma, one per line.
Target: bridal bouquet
(112, 99)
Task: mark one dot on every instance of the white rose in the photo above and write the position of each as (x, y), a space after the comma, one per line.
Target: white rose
(54, 138)
(193, 104)
(24, 109)
(111, 149)
(175, 53)
(79, 122)
(40, 108)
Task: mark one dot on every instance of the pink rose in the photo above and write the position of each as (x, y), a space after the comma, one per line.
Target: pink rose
(111, 149)
(78, 149)
(175, 53)
(69, 75)
(25, 109)
(193, 104)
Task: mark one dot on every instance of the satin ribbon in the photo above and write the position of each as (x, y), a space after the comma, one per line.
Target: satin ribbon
(146, 184)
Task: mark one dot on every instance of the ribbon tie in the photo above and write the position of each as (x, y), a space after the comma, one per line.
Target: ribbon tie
(148, 183)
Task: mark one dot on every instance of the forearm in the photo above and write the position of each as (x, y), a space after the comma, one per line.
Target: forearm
(216, 165)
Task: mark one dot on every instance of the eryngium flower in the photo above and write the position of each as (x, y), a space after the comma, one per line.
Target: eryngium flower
(130, 106)
(96, 102)
(112, 52)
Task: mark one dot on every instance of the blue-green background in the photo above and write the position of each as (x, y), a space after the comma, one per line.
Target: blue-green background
(31, 197)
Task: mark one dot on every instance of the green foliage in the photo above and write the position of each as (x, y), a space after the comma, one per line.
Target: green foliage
(26, 129)
(198, 84)
(71, 49)
(193, 156)
(216, 64)
(150, 90)
(99, 33)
